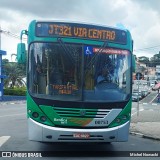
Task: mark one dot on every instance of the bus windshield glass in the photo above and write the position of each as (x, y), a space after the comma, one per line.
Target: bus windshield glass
(77, 72)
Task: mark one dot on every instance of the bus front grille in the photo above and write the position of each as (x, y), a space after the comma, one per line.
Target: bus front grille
(81, 113)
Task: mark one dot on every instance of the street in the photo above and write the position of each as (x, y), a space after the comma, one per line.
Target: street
(13, 137)
(148, 103)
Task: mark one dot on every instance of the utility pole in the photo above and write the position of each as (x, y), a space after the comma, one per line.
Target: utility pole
(0, 36)
(1, 76)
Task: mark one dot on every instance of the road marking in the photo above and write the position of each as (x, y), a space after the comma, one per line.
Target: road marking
(18, 108)
(3, 139)
(154, 104)
(12, 103)
(12, 115)
(136, 112)
(145, 103)
(153, 98)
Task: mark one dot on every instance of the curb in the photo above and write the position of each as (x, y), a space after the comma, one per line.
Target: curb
(12, 102)
(144, 136)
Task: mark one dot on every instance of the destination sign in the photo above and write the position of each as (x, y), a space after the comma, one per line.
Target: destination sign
(83, 31)
(111, 51)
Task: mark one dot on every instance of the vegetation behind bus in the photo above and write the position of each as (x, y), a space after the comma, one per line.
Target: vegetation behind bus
(14, 84)
(17, 91)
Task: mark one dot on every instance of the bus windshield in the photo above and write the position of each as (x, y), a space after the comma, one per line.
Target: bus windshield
(77, 72)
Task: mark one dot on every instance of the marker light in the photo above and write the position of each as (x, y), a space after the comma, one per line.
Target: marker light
(29, 111)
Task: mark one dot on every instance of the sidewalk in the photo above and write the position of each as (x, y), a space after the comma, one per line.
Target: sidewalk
(147, 124)
(149, 130)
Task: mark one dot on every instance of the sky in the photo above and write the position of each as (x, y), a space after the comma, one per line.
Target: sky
(140, 17)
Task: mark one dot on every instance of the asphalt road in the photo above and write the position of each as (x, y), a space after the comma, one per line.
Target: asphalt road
(13, 137)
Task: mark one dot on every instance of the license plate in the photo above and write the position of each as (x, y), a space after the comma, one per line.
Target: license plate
(81, 135)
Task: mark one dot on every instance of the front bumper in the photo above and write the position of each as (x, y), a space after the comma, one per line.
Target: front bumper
(40, 132)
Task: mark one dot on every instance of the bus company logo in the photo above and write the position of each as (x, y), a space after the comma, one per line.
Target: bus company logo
(61, 120)
(82, 112)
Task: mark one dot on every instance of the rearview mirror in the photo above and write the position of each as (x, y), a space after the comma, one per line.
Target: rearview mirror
(21, 53)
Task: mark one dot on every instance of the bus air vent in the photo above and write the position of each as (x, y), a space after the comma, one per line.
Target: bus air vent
(81, 113)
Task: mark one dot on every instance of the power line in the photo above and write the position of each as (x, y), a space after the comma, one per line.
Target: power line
(8, 33)
(148, 48)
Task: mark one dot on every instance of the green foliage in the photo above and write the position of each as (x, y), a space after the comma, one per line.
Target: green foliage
(152, 62)
(15, 73)
(143, 59)
(15, 91)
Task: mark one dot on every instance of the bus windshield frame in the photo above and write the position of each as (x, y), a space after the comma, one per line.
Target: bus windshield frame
(78, 72)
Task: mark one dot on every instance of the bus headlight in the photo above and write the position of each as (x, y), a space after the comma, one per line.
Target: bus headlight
(118, 120)
(35, 114)
(43, 118)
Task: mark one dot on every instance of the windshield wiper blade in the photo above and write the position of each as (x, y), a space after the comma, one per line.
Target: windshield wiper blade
(67, 51)
(99, 52)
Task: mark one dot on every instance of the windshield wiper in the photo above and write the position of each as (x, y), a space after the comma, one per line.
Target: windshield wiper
(94, 57)
(67, 51)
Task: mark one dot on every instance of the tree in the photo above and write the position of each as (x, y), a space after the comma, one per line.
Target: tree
(143, 59)
(155, 60)
(5, 61)
(14, 73)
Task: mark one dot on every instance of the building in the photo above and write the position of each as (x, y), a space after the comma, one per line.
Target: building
(147, 72)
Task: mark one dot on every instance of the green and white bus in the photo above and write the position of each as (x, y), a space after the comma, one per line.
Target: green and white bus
(79, 81)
